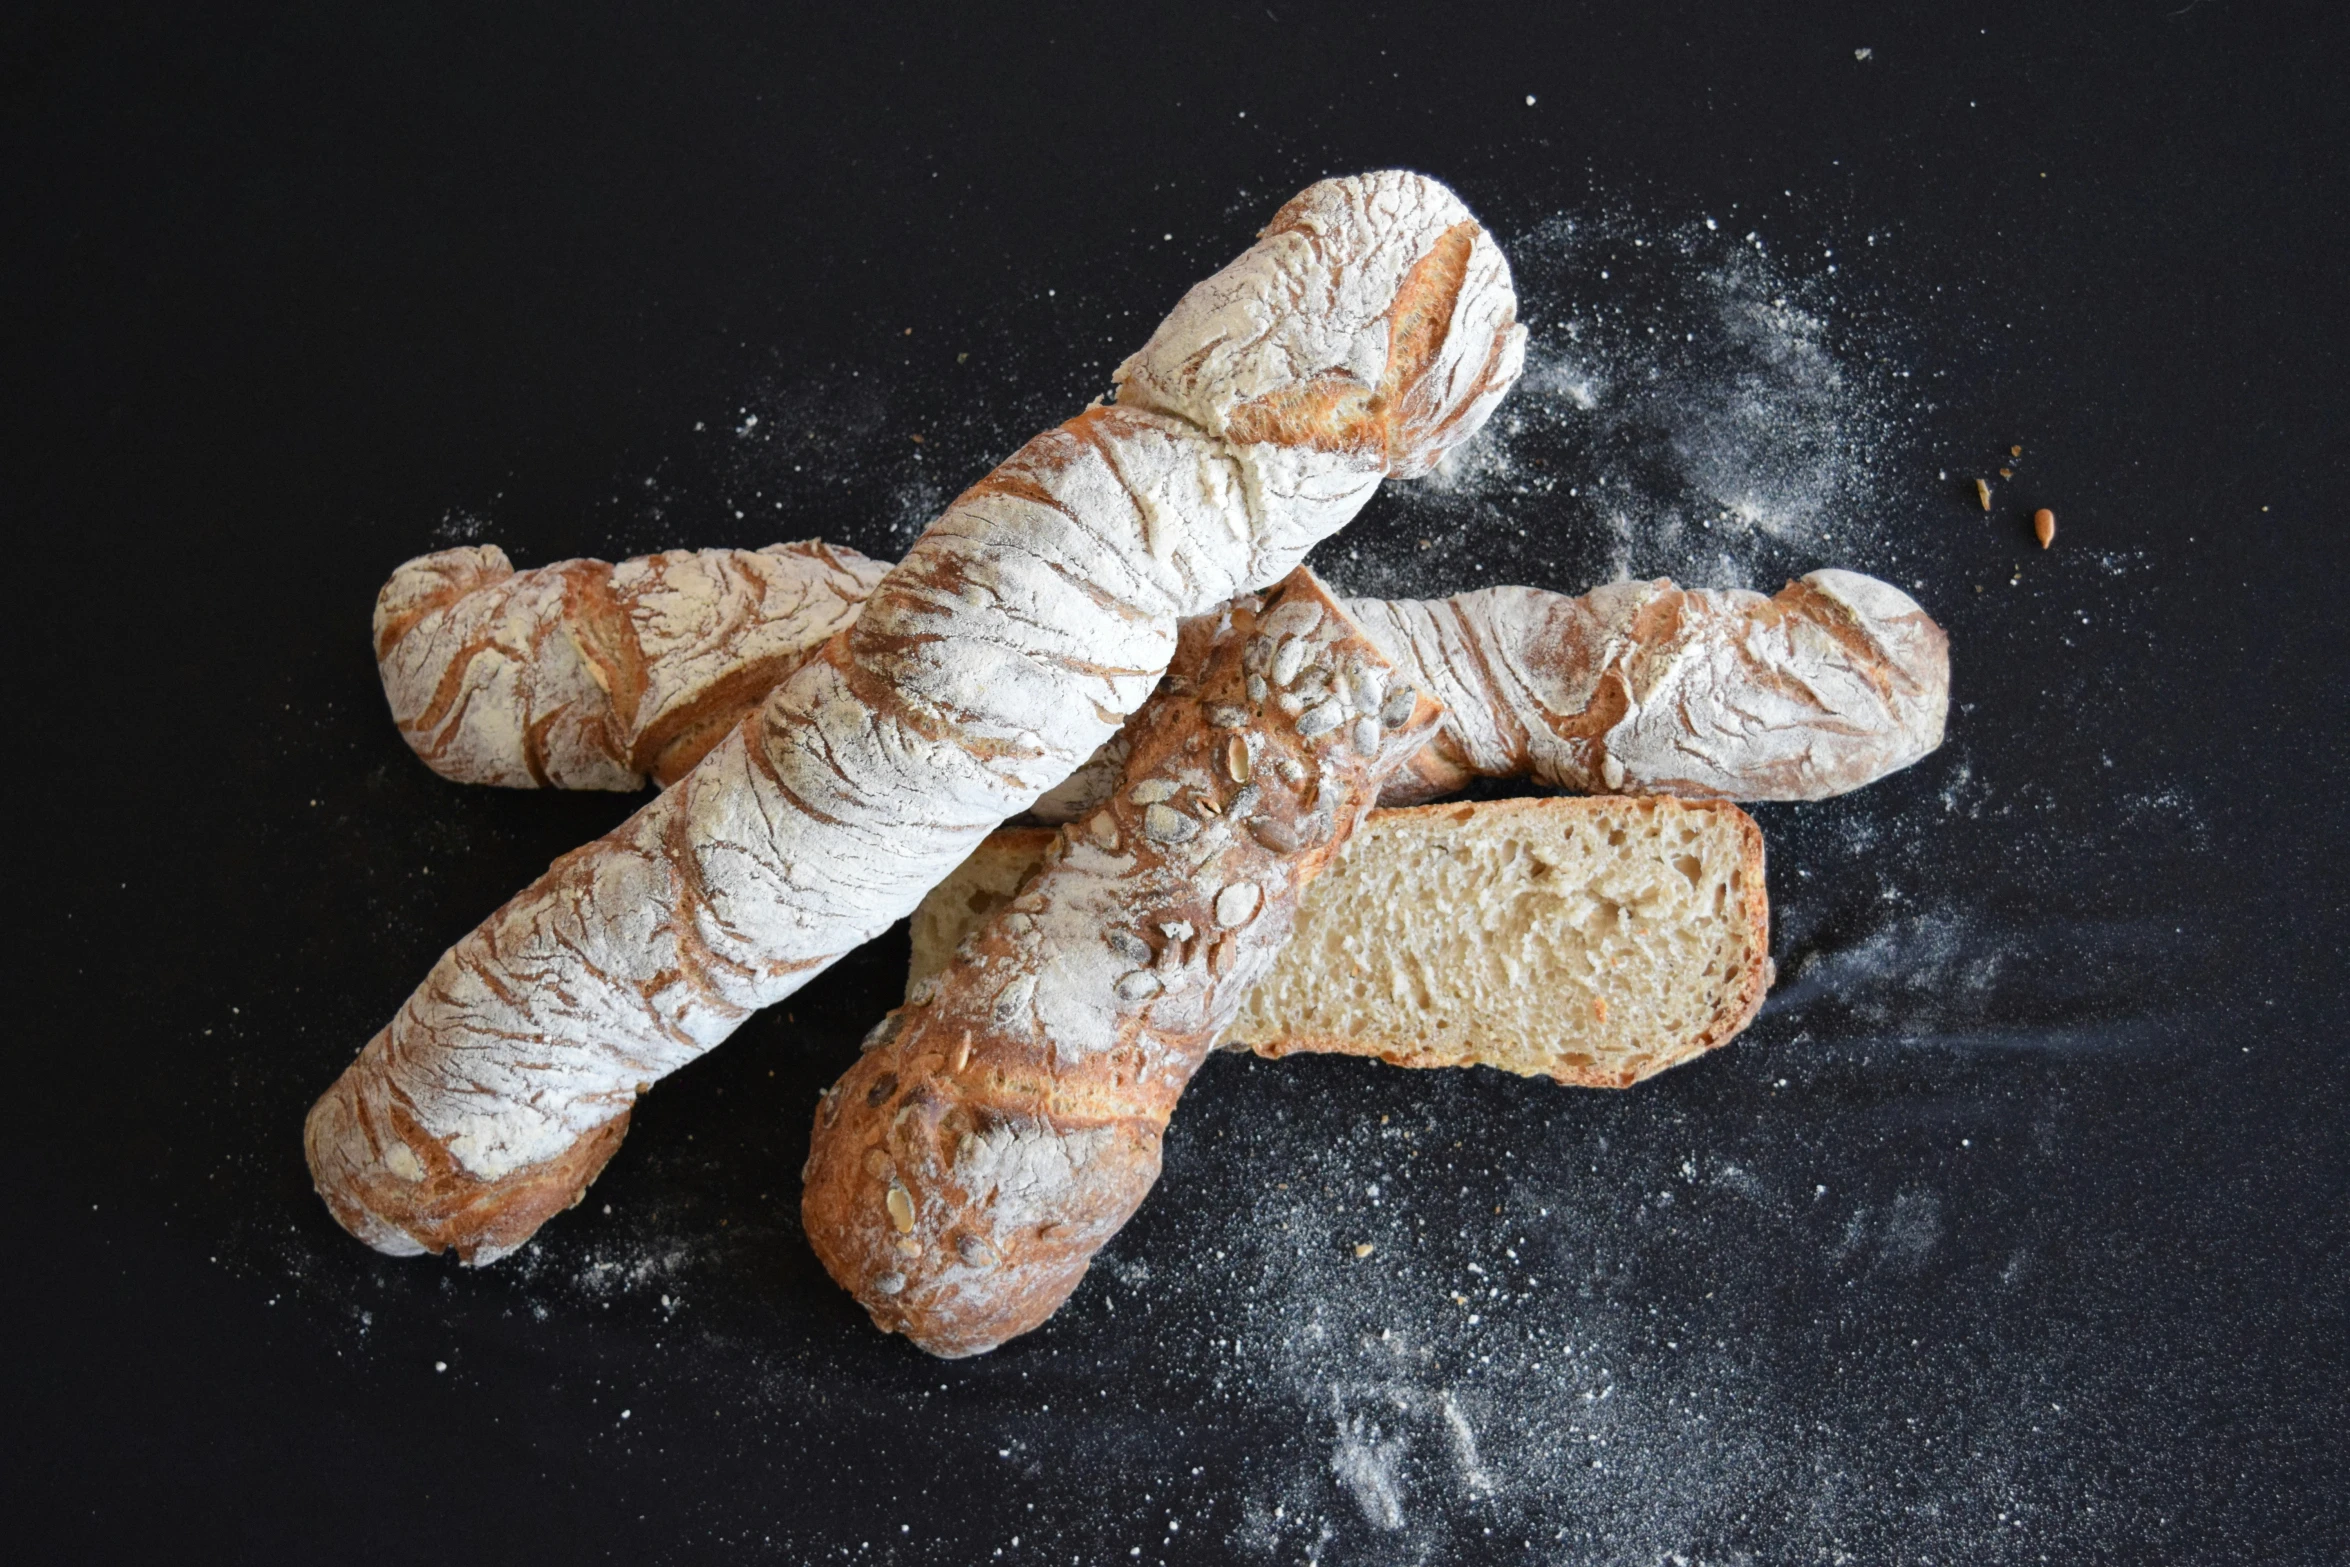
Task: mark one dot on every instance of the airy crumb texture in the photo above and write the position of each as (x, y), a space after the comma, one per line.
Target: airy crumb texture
(1594, 940)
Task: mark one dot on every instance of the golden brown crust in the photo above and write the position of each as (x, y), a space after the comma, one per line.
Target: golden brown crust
(584, 674)
(1002, 1126)
(427, 1202)
(1339, 413)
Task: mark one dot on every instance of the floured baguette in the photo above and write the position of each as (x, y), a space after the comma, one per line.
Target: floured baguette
(1596, 941)
(586, 675)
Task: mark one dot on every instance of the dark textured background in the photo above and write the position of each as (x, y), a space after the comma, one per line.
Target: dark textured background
(2014, 1231)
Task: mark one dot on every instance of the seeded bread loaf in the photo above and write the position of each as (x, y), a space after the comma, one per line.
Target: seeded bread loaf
(1005, 1122)
(1594, 940)
(1370, 328)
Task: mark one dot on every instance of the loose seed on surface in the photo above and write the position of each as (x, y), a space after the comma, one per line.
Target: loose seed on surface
(1983, 492)
(1236, 759)
(2044, 526)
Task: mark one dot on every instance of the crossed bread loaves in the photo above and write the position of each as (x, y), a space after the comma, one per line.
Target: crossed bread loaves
(1371, 327)
(1006, 1121)
(1646, 688)
(583, 675)
(1595, 940)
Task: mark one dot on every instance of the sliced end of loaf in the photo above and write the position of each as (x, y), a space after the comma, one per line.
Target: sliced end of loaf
(1594, 940)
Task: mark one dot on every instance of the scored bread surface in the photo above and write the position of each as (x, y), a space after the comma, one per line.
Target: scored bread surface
(1596, 941)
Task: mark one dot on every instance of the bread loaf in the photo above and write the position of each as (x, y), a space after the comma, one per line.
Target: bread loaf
(1006, 1121)
(1371, 327)
(1595, 940)
(1645, 688)
(582, 675)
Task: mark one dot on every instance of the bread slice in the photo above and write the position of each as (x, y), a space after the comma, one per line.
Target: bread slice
(1596, 940)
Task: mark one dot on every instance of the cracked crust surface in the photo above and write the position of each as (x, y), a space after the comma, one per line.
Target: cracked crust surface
(1634, 687)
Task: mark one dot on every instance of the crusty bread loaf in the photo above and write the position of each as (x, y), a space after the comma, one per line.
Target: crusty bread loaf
(586, 675)
(1006, 1121)
(582, 675)
(1593, 940)
(1646, 688)
(1371, 327)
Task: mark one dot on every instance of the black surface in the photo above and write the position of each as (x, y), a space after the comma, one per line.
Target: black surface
(2014, 1231)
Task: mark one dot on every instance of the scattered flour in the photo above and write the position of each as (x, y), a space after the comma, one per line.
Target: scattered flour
(1590, 1327)
(1693, 405)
